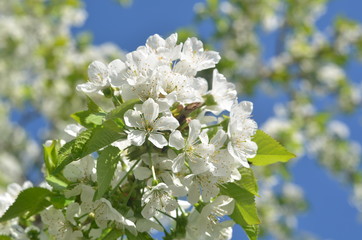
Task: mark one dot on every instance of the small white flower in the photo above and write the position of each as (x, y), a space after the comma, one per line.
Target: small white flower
(222, 163)
(194, 58)
(82, 169)
(205, 183)
(157, 198)
(101, 76)
(241, 129)
(206, 225)
(58, 226)
(196, 148)
(104, 213)
(166, 49)
(146, 123)
(224, 92)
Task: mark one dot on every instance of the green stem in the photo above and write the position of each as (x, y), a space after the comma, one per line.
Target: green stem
(158, 221)
(166, 214)
(151, 162)
(211, 126)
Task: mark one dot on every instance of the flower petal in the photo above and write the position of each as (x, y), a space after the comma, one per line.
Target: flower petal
(178, 162)
(150, 110)
(133, 118)
(158, 140)
(194, 131)
(142, 173)
(117, 70)
(166, 123)
(136, 137)
(98, 73)
(87, 87)
(176, 140)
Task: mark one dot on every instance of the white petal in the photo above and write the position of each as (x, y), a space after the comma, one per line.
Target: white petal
(194, 193)
(155, 41)
(158, 140)
(133, 119)
(209, 191)
(241, 110)
(232, 152)
(148, 211)
(166, 123)
(194, 130)
(204, 137)
(87, 87)
(178, 162)
(219, 139)
(250, 148)
(176, 140)
(171, 205)
(98, 73)
(117, 70)
(150, 110)
(136, 137)
(142, 173)
(171, 40)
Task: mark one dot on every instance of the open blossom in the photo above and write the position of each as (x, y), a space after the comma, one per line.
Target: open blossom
(194, 58)
(146, 123)
(241, 129)
(178, 153)
(101, 76)
(195, 148)
(208, 226)
(224, 92)
(162, 70)
(158, 198)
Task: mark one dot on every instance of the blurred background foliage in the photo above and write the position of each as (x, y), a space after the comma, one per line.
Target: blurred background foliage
(304, 75)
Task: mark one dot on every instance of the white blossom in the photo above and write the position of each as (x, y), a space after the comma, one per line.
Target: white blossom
(241, 129)
(102, 76)
(158, 198)
(146, 123)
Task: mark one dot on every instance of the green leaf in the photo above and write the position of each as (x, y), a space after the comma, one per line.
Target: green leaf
(3, 237)
(244, 191)
(51, 156)
(59, 201)
(82, 118)
(91, 140)
(248, 181)
(245, 212)
(209, 100)
(269, 150)
(140, 236)
(87, 142)
(91, 117)
(29, 201)
(56, 183)
(113, 234)
(95, 118)
(106, 164)
(120, 110)
(252, 231)
(93, 107)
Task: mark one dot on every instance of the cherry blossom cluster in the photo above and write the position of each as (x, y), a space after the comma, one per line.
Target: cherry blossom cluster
(181, 145)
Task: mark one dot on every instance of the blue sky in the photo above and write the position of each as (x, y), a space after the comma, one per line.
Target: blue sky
(331, 216)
